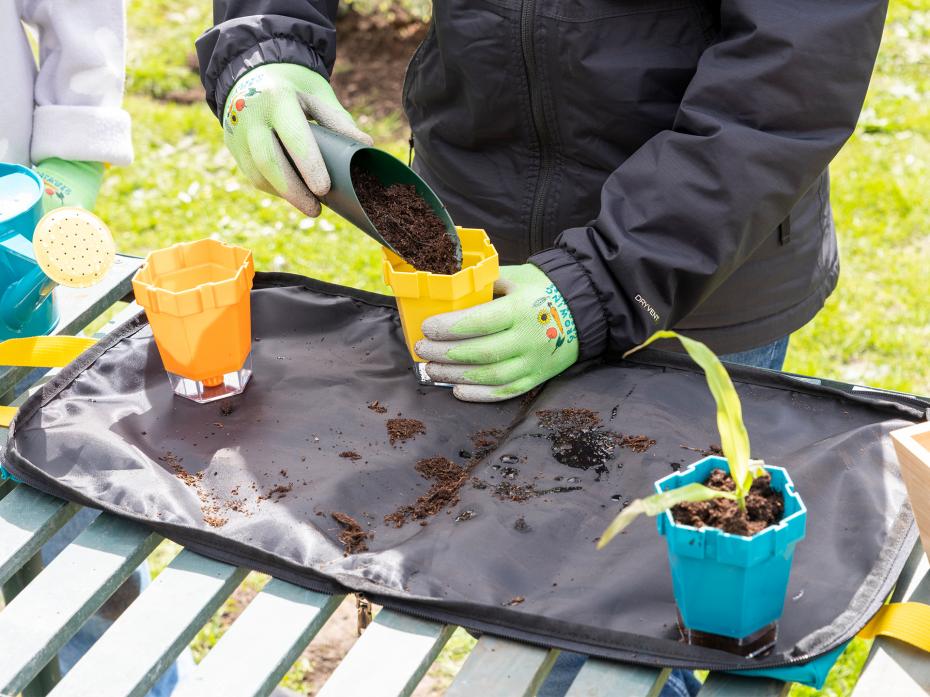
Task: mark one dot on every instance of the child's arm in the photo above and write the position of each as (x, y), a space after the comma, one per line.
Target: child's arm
(78, 121)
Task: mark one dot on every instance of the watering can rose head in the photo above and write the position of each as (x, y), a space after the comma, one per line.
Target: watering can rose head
(734, 443)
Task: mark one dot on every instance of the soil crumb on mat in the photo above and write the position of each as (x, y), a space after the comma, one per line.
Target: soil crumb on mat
(764, 506)
(401, 430)
(571, 419)
(407, 223)
(377, 407)
(580, 440)
(447, 478)
(638, 444)
(350, 455)
(484, 442)
(353, 537)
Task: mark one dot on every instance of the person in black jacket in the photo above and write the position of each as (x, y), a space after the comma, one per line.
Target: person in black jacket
(644, 165)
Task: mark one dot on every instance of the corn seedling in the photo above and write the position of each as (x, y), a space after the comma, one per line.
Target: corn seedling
(734, 442)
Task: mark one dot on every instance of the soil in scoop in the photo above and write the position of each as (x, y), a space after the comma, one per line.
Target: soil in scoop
(764, 507)
(407, 223)
(353, 537)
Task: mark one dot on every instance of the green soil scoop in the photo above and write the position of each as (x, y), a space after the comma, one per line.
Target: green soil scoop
(341, 153)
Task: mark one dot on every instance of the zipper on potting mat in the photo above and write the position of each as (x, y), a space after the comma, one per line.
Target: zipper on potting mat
(538, 114)
(534, 640)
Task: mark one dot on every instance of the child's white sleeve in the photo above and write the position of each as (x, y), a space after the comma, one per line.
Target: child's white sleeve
(79, 88)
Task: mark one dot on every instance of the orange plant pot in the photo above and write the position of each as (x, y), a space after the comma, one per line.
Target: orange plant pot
(196, 297)
(421, 294)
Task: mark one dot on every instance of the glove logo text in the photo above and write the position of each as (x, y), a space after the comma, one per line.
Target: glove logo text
(552, 312)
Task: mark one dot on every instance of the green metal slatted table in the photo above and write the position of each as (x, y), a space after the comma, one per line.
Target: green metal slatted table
(48, 605)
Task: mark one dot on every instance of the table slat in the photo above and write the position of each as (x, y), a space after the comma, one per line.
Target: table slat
(727, 685)
(896, 668)
(501, 668)
(44, 616)
(28, 518)
(599, 678)
(286, 618)
(130, 657)
(389, 659)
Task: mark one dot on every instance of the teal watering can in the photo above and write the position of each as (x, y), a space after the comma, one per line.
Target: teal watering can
(69, 246)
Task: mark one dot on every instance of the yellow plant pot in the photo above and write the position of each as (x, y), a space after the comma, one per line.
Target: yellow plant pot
(421, 294)
(196, 298)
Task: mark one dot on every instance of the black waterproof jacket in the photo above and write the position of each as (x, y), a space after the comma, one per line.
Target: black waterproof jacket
(663, 161)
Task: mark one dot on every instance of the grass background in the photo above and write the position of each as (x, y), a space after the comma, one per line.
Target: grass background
(875, 329)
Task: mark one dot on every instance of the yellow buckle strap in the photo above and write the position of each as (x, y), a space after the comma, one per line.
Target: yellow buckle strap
(907, 622)
(39, 352)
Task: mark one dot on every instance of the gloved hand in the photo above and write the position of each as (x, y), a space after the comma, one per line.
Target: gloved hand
(266, 129)
(69, 183)
(505, 347)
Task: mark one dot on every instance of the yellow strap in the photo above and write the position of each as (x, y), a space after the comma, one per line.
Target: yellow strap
(907, 622)
(43, 351)
(39, 352)
(6, 416)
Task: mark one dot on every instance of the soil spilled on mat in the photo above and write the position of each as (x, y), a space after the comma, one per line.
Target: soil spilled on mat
(447, 477)
(580, 440)
(353, 537)
(350, 455)
(407, 223)
(215, 508)
(402, 430)
(377, 407)
(764, 507)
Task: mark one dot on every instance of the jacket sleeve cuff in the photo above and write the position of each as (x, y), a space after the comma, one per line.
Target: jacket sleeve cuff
(574, 283)
(278, 49)
(84, 133)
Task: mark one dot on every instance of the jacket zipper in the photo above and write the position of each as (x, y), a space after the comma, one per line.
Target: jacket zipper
(543, 137)
(405, 88)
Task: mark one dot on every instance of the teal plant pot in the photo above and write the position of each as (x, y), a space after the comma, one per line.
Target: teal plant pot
(731, 586)
(27, 306)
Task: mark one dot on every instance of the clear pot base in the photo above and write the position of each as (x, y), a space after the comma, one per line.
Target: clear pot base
(221, 387)
(756, 644)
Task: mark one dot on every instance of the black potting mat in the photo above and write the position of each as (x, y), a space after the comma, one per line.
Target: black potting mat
(275, 463)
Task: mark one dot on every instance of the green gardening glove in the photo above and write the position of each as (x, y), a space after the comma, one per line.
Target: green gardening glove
(69, 183)
(506, 347)
(265, 123)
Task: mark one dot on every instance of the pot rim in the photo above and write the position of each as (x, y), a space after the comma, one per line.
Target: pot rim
(788, 491)
(204, 296)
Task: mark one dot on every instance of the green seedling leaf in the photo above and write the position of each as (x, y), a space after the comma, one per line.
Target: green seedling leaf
(734, 440)
(659, 503)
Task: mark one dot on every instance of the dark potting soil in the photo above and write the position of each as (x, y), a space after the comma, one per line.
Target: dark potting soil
(447, 478)
(764, 506)
(353, 537)
(580, 440)
(571, 419)
(407, 223)
(400, 430)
